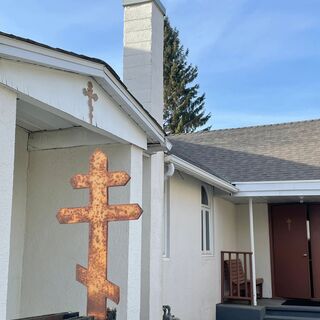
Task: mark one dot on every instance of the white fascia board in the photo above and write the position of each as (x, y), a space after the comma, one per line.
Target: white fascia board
(19, 50)
(278, 188)
(129, 104)
(200, 174)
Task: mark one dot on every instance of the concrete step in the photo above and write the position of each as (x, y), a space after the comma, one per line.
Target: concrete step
(294, 312)
(286, 318)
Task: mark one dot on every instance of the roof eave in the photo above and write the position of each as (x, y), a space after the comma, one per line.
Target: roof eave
(278, 188)
(201, 174)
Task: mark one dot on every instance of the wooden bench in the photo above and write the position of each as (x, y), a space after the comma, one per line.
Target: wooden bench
(240, 284)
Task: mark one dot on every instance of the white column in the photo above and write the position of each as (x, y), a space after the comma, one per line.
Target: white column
(156, 234)
(254, 288)
(7, 145)
(143, 75)
(152, 246)
(134, 240)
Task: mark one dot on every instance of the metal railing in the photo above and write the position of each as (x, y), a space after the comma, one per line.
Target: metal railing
(236, 276)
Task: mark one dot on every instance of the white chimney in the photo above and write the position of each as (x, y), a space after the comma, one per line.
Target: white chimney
(143, 53)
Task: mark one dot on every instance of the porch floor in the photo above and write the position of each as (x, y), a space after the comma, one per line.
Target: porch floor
(269, 302)
(267, 309)
(264, 302)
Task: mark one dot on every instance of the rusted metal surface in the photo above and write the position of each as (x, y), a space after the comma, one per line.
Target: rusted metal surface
(91, 97)
(98, 213)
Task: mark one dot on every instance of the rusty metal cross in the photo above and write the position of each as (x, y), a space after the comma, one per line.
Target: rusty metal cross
(91, 97)
(98, 213)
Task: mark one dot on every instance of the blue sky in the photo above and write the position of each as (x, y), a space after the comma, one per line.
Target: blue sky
(259, 61)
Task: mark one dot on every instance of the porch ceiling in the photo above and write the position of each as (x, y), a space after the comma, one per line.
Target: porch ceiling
(50, 131)
(284, 199)
(34, 119)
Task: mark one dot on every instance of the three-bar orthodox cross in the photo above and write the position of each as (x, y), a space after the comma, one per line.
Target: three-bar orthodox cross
(91, 97)
(98, 214)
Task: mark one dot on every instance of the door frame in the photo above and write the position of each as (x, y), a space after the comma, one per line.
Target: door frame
(271, 251)
(271, 244)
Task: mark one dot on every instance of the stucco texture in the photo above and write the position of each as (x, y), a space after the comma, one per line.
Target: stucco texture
(192, 281)
(44, 253)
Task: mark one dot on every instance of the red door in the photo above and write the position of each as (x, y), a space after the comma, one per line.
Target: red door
(290, 251)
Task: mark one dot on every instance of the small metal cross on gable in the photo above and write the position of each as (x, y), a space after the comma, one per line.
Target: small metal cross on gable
(289, 222)
(91, 97)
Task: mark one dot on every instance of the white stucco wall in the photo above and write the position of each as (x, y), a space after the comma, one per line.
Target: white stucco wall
(191, 284)
(262, 243)
(53, 250)
(18, 223)
(7, 146)
(225, 235)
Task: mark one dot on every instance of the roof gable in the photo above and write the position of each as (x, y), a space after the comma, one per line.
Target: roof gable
(28, 51)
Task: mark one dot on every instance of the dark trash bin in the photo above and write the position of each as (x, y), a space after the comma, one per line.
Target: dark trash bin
(112, 314)
(167, 314)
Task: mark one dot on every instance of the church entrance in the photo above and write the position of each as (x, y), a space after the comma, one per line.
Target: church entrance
(295, 247)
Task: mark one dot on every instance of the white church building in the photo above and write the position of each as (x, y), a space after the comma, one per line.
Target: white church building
(209, 198)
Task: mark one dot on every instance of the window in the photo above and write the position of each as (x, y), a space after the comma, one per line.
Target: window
(206, 224)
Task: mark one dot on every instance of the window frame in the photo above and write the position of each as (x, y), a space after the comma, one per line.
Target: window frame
(206, 225)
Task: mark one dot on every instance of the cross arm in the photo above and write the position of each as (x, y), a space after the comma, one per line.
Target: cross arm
(118, 178)
(107, 288)
(124, 212)
(80, 181)
(111, 291)
(73, 215)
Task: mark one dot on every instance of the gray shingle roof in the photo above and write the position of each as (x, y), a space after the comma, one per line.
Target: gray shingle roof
(289, 151)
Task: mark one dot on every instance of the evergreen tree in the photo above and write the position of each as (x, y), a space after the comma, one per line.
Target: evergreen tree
(184, 109)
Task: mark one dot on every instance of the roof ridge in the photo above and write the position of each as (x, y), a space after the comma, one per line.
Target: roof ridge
(246, 127)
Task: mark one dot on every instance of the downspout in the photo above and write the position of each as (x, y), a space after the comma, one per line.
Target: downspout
(170, 170)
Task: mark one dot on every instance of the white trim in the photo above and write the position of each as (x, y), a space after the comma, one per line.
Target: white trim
(203, 230)
(277, 181)
(20, 50)
(254, 287)
(201, 174)
(158, 3)
(278, 188)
